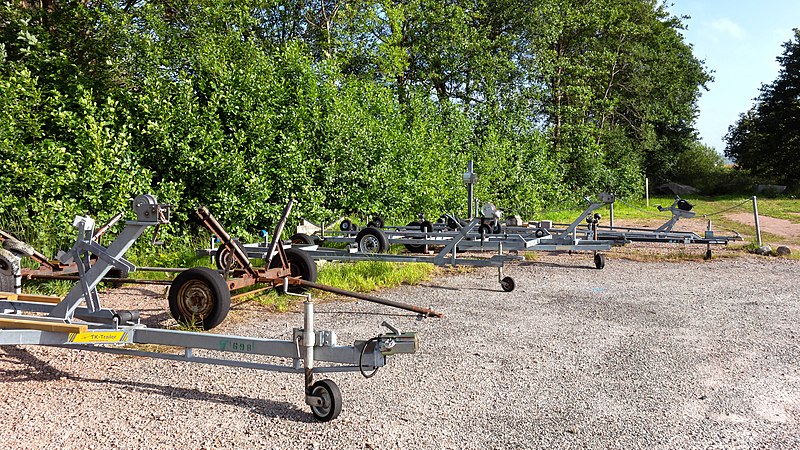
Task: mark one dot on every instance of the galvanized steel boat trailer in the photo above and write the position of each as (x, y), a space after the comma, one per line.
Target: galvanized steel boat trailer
(78, 321)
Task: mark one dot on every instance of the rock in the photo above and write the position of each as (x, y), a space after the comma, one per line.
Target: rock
(783, 251)
(764, 250)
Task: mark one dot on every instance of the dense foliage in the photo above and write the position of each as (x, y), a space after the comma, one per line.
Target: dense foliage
(352, 107)
(766, 139)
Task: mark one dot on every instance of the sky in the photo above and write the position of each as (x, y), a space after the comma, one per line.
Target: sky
(739, 41)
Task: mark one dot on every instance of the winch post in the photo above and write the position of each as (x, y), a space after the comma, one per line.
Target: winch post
(470, 178)
(211, 223)
(276, 235)
(148, 213)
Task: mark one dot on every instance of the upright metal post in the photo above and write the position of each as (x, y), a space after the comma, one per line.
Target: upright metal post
(755, 215)
(308, 343)
(611, 216)
(470, 178)
(647, 191)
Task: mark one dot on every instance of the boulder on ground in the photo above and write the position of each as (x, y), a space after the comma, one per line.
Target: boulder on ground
(783, 251)
(764, 250)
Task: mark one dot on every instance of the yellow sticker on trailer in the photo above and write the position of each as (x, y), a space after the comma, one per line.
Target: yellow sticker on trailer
(98, 337)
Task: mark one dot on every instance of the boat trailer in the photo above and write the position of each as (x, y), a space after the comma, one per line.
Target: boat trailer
(78, 321)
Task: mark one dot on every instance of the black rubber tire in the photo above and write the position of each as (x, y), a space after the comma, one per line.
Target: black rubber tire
(221, 259)
(376, 222)
(18, 247)
(497, 229)
(426, 226)
(411, 247)
(599, 260)
(372, 240)
(301, 265)
(539, 232)
(452, 224)
(302, 239)
(484, 230)
(200, 297)
(507, 284)
(345, 225)
(332, 396)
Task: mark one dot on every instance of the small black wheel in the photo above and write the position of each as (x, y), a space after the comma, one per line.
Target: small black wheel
(225, 257)
(539, 232)
(484, 230)
(372, 240)
(199, 297)
(302, 239)
(411, 247)
(599, 260)
(708, 254)
(345, 225)
(353, 227)
(497, 229)
(507, 284)
(426, 226)
(331, 400)
(377, 222)
(452, 224)
(301, 264)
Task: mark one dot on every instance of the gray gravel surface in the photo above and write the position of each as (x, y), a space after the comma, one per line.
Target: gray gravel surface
(670, 355)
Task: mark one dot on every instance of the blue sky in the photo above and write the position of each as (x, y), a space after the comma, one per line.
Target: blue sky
(739, 40)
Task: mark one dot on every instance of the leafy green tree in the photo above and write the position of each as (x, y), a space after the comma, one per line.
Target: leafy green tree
(766, 139)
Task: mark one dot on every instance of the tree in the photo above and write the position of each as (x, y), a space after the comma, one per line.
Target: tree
(766, 139)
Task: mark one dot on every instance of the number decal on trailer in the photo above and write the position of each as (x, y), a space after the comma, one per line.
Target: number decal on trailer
(235, 346)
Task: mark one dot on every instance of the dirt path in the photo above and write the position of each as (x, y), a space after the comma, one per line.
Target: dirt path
(780, 227)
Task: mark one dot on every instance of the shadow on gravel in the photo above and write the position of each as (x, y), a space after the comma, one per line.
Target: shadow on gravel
(27, 367)
(366, 313)
(447, 288)
(548, 264)
(30, 368)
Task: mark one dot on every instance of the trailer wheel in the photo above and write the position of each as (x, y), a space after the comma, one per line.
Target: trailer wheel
(539, 232)
(484, 230)
(199, 297)
(224, 257)
(497, 229)
(411, 247)
(376, 222)
(599, 260)
(301, 264)
(372, 240)
(345, 225)
(507, 284)
(331, 400)
(302, 239)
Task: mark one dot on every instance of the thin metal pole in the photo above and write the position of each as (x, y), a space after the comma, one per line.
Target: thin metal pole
(470, 192)
(611, 214)
(369, 298)
(755, 215)
(647, 191)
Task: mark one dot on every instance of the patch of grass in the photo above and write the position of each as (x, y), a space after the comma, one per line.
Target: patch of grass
(57, 288)
(368, 276)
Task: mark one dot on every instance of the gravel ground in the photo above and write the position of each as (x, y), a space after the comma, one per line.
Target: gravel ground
(656, 354)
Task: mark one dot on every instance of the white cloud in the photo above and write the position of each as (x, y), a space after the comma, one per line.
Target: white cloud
(729, 27)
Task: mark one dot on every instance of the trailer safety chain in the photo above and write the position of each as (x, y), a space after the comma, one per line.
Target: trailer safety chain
(639, 209)
(728, 209)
